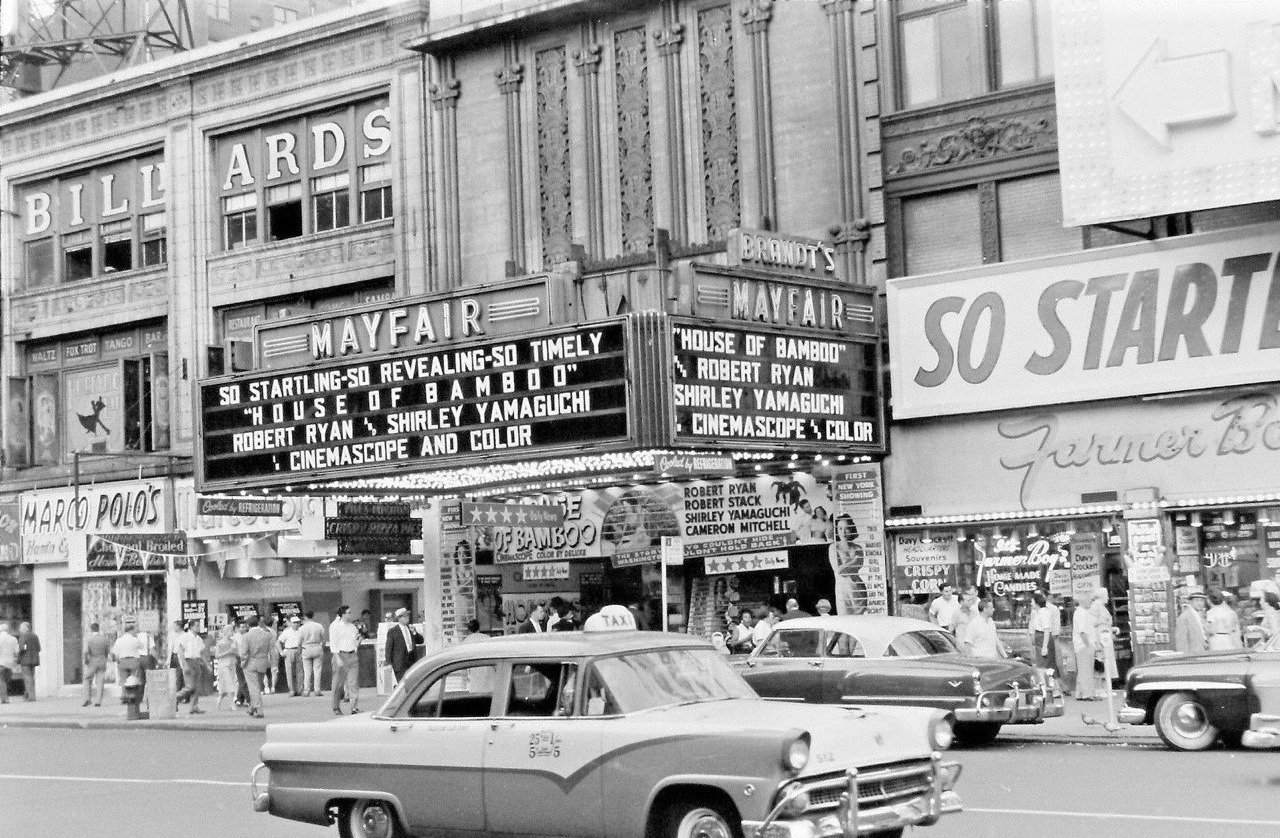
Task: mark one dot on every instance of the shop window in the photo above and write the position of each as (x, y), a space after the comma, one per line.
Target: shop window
(331, 201)
(240, 220)
(155, 244)
(117, 246)
(77, 255)
(40, 267)
(284, 212)
(375, 192)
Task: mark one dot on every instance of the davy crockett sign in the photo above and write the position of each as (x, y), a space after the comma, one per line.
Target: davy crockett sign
(519, 397)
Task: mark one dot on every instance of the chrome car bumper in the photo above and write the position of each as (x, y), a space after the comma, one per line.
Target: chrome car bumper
(1132, 715)
(869, 802)
(1015, 706)
(1263, 732)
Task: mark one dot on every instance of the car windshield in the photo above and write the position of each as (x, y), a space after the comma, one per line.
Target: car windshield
(643, 680)
(919, 644)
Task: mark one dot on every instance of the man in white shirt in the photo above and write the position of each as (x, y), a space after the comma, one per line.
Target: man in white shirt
(189, 646)
(764, 628)
(8, 660)
(944, 609)
(127, 652)
(313, 637)
(290, 641)
(344, 642)
(1046, 624)
(980, 637)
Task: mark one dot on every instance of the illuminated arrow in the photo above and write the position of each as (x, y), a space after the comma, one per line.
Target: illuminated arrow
(1162, 91)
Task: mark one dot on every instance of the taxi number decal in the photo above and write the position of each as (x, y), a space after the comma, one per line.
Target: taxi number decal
(824, 757)
(544, 743)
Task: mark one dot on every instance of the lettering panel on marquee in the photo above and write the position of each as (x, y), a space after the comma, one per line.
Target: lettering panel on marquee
(520, 398)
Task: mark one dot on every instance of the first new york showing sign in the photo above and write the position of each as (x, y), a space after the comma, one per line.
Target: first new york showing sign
(510, 398)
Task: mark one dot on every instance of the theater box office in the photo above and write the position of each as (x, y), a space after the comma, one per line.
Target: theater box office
(528, 394)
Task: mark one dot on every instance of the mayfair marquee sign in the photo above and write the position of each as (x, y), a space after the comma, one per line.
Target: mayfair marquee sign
(509, 398)
(1178, 314)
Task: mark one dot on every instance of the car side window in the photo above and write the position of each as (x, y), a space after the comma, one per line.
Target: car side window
(845, 646)
(793, 643)
(600, 701)
(543, 689)
(465, 693)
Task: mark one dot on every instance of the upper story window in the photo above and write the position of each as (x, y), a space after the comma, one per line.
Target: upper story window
(218, 9)
(955, 49)
(93, 223)
(301, 176)
(281, 15)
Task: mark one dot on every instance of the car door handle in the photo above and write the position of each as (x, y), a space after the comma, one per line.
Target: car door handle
(815, 663)
(398, 726)
(501, 725)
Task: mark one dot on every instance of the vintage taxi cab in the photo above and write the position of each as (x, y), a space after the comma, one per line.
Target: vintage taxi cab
(878, 661)
(605, 735)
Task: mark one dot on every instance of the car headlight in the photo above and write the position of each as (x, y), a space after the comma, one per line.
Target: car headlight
(941, 733)
(795, 756)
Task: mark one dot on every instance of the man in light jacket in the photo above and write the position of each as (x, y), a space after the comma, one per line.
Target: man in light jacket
(1189, 634)
(258, 645)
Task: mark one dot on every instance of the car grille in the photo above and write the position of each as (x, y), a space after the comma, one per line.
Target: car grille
(878, 786)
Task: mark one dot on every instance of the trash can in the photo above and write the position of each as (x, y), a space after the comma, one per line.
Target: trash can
(160, 693)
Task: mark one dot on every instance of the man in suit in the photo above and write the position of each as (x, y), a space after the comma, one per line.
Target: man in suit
(258, 643)
(1189, 636)
(533, 624)
(28, 659)
(402, 643)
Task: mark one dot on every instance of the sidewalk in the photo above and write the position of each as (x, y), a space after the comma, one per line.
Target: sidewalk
(67, 713)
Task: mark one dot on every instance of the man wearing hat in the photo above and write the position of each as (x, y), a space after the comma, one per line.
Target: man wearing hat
(290, 641)
(402, 644)
(1189, 636)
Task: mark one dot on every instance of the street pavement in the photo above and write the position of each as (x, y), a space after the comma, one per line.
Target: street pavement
(67, 712)
(136, 783)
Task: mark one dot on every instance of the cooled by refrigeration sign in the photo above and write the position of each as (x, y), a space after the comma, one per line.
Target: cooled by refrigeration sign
(513, 397)
(760, 388)
(1179, 314)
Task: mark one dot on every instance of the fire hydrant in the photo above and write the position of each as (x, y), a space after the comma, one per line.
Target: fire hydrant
(131, 695)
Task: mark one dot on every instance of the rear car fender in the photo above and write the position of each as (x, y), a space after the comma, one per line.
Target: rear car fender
(338, 798)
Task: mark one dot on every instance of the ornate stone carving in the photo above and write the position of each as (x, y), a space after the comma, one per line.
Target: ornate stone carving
(719, 118)
(635, 161)
(83, 125)
(510, 77)
(756, 15)
(834, 7)
(587, 59)
(979, 139)
(445, 94)
(551, 87)
(668, 39)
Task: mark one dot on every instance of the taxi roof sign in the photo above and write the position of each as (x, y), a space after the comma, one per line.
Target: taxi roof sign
(611, 618)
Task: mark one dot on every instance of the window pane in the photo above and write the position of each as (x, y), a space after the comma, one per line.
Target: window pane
(1044, 38)
(920, 60)
(942, 232)
(375, 204)
(77, 249)
(284, 192)
(152, 223)
(154, 252)
(941, 58)
(40, 269)
(284, 221)
(239, 202)
(1031, 219)
(1014, 20)
(375, 173)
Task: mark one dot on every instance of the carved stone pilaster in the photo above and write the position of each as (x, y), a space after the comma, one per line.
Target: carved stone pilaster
(989, 221)
(554, 171)
(668, 39)
(717, 105)
(445, 94)
(635, 159)
(756, 15)
(587, 59)
(509, 78)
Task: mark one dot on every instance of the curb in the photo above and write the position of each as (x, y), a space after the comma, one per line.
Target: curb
(140, 724)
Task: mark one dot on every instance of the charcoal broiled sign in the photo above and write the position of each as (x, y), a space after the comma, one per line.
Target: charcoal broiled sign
(762, 387)
(515, 398)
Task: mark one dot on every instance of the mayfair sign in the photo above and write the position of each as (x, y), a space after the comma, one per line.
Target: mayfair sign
(1179, 314)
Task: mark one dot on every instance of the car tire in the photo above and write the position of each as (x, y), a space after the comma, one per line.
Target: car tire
(977, 733)
(369, 819)
(1183, 724)
(690, 818)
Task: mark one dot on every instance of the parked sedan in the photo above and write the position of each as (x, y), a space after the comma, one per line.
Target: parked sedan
(605, 735)
(1196, 700)
(869, 660)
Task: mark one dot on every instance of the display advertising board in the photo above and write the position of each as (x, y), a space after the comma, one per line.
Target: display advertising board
(517, 398)
(123, 552)
(1188, 313)
(763, 388)
(1165, 106)
(857, 553)
(923, 567)
(421, 322)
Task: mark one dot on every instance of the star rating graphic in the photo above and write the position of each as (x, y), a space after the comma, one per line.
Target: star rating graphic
(512, 514)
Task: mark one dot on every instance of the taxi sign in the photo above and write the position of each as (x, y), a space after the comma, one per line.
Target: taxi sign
(610, 618)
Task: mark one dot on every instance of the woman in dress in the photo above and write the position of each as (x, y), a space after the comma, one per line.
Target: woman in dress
(1104, 627)
(224, 656)
(1084, 636)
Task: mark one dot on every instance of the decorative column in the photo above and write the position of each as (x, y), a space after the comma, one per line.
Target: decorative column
(587, 60)
(444, 95)
(755, 20)
(853, 231)
(555, 207)
(635, 156)
(718, 122)
(668, 40)
(509, 79)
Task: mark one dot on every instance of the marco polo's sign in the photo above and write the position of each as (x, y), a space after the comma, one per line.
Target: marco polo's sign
(1179, 314)
(484, 311)
(55, 522)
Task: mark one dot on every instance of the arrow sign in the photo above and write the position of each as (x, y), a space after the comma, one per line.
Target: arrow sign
(1162, 92)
